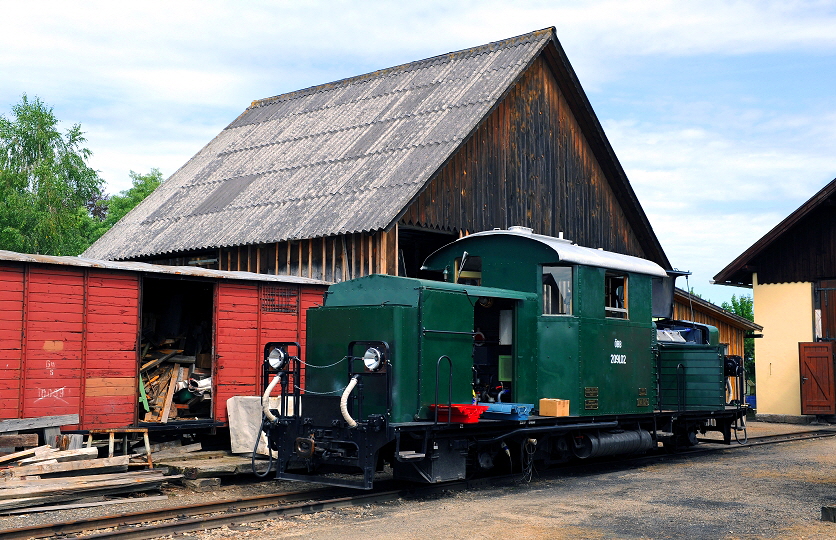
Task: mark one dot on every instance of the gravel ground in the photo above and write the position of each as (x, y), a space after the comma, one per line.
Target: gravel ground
(773, 491)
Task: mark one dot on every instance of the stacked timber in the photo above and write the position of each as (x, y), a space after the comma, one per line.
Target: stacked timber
(173, 386)
(34, 478)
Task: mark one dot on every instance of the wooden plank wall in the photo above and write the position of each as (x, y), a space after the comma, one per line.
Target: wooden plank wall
(528, 164)
(65, 358)
(333, 259)
(11, 338)
(110, 384)
(246, 319)
(806, 252)
(728, 334)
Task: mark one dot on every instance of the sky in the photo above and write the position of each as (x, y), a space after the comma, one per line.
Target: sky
(722, 114)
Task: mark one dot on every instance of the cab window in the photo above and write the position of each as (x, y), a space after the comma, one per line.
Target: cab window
(468, 270)
(615, 295)
(557, 290)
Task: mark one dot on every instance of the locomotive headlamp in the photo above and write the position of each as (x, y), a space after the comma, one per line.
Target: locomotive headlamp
(373, 359)
(277, 358)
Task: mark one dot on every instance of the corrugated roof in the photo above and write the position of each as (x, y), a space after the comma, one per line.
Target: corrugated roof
(343, 157)
(190, 271)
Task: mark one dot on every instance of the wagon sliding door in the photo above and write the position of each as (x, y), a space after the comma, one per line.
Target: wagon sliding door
(818, 395)
(247, 317)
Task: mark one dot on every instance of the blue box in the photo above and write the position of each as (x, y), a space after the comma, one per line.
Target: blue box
(507, 411)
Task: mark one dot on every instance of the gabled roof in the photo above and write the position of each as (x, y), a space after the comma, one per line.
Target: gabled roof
(684, 298)
(739, 271)
(348, 156)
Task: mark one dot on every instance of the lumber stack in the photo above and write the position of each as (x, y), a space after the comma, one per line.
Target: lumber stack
(174, 385)
(35, 477)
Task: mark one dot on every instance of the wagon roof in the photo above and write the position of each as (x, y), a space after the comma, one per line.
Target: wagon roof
(190, 271)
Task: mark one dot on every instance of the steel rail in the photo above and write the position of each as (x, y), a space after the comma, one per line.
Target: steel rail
(214, 521)
(226, 512)
(171, 512)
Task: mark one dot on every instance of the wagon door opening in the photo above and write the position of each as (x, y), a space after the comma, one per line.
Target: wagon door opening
(493, 350)
(176, 351)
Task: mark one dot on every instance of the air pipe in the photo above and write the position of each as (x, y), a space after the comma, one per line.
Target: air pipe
(344, 401)
(265, 400)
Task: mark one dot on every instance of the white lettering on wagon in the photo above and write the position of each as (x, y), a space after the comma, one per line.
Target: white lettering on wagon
(56, 394)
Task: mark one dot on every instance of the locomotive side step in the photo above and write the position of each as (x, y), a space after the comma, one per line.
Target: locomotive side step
(408, 455)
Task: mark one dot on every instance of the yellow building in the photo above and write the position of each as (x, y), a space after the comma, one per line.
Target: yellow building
(792, 274)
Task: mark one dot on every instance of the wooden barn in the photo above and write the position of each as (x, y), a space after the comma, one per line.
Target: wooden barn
(88, 337)
(792, 273)
(373, 173)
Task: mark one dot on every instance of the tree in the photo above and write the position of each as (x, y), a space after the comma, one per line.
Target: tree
(745, 307)
(45, 182)
(109, 210)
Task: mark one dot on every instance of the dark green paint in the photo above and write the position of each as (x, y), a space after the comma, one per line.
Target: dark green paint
(554, 356)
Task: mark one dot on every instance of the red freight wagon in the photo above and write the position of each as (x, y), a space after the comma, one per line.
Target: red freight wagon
(78, 335)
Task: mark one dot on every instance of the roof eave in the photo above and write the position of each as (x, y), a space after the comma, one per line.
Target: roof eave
(730, 275)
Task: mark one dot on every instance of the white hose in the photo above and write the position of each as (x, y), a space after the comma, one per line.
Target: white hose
(344, 401)
(265, 400)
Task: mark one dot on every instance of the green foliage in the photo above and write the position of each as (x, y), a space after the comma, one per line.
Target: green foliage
(45, 182)
(112, 209)
(745, 307)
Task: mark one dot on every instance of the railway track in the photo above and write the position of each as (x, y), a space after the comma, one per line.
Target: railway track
(181, 519)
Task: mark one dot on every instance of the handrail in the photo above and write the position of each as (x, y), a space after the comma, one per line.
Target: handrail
(680, 387)
(449, 388)
(426, 331)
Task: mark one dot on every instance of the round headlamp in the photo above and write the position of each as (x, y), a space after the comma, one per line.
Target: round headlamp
(373, 359)
(277, 358)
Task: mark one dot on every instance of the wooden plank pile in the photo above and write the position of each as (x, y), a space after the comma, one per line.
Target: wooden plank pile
(168, 380)
(43, 475)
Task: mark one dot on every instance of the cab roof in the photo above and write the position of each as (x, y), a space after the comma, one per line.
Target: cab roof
(567, 252)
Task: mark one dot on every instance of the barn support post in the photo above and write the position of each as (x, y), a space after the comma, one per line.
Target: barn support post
(397, 250)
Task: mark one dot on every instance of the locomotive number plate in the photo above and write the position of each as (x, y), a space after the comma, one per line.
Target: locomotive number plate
(590, 404)
(590, 391)
(643, 402)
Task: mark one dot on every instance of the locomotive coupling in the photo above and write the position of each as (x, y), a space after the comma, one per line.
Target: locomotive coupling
(305, 447)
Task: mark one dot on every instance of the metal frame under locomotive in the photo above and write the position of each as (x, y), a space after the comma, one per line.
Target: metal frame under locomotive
(315, 443)
(323, 449)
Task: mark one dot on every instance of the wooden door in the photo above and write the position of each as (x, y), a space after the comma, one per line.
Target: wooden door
(818, 395)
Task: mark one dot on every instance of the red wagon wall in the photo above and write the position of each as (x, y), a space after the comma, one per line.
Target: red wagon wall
(69, 339)
(246, 319)
(68, 344)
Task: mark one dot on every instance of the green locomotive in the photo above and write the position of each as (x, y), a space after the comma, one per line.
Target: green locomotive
(398, 370)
